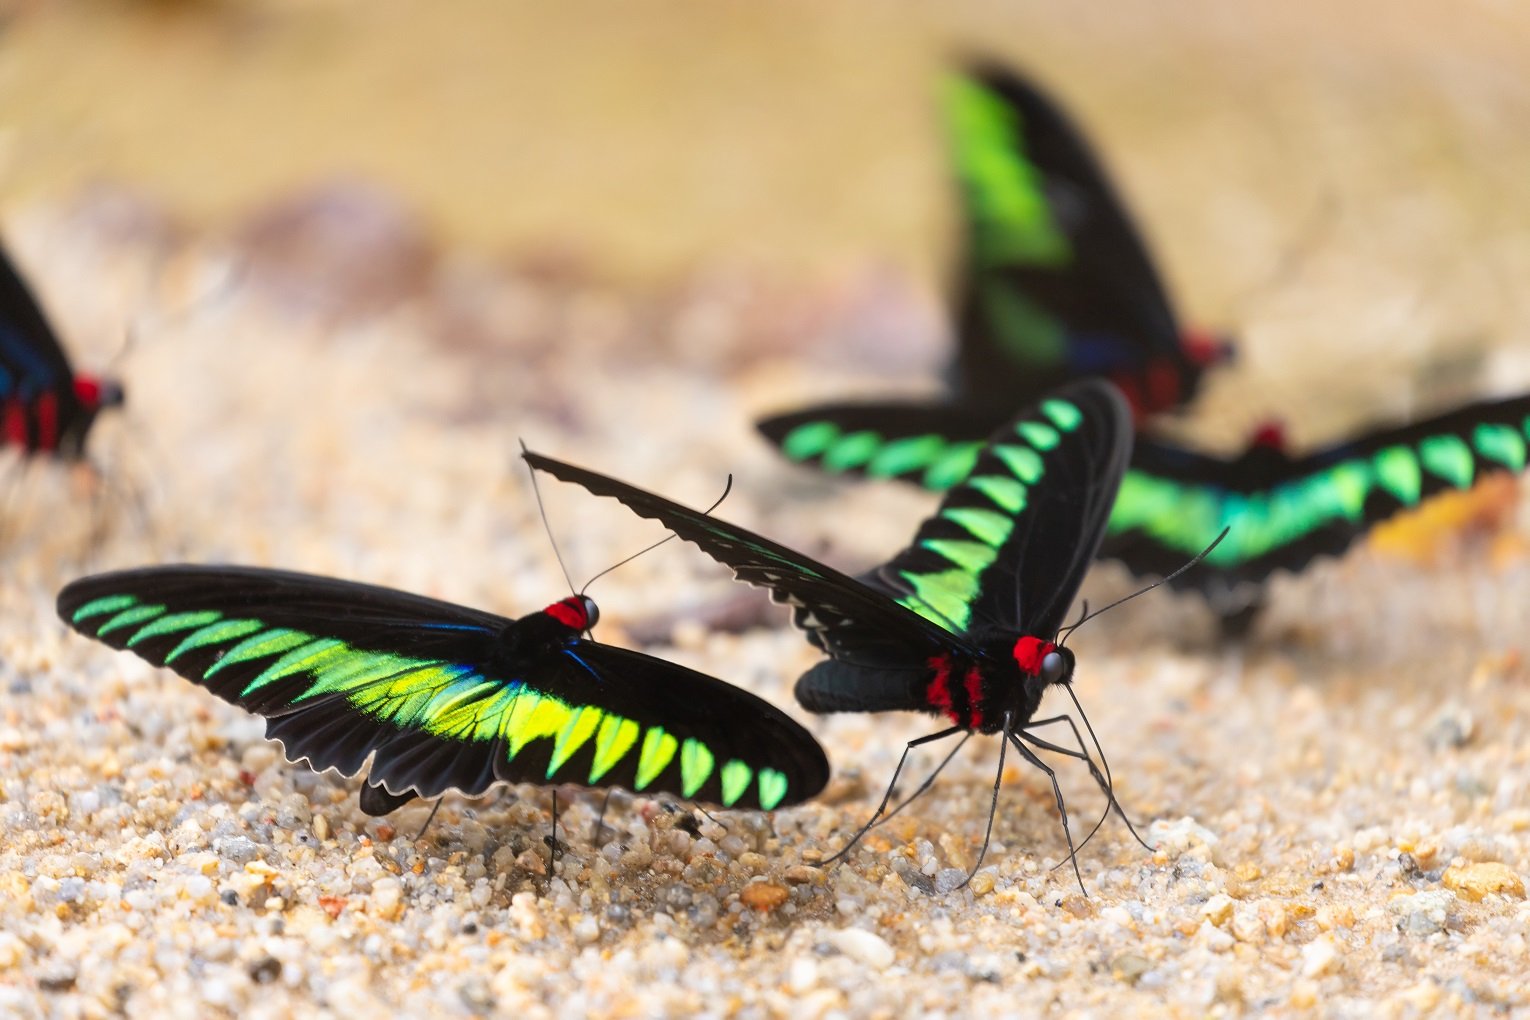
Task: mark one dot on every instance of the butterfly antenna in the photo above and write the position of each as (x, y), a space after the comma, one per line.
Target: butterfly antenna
(1143, 591)
(536, 490)
(649, 548)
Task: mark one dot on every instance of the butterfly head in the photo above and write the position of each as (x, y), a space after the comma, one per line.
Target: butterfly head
(1204, 348)
(1043, 663)
(95, 394)
(577, 612)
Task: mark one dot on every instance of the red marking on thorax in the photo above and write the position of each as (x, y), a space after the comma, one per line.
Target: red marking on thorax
(1203, 348)
(1270, 434)
(88, 390)
(1162, 385)
(47, 422)
(974, 698)
(569, 612)
(15, 422)
(939, 693)
(1029, 652)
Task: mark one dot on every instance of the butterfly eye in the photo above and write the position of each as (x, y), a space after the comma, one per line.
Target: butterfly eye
(1052, 668)
(591, 611)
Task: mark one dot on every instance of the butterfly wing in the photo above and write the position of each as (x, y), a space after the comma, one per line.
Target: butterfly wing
(444, 697)
(1173, 501)
(1010, 544)
(1057, 282)
(930, 445)
(31, 360)
(841, 615)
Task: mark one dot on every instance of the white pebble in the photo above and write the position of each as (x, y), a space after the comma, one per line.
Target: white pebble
(1318, 957)
(864, 946)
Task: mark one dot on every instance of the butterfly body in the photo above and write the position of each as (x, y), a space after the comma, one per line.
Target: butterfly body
(439, 696)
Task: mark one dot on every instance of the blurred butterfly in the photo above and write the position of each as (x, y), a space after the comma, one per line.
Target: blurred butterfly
(442, 697)
(1056, 284)
(967, 623)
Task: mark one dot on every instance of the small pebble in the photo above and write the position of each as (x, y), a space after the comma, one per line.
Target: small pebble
(1474, 881)
(763, 896)
(863, 946)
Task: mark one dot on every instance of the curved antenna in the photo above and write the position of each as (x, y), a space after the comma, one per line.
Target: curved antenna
(1143, 591)
(727, 488)
(1082, 616)
(546, 524)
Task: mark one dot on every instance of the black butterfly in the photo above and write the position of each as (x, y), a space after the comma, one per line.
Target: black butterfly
(443, 697)
(1056, 285)
(967, 622)
(44, 407)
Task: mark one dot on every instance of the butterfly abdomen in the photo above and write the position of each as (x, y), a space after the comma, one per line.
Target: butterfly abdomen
(835, 686)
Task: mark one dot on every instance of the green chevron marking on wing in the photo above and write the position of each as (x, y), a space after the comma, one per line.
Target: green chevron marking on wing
(810, 440)
(952, 466)
(450, 700)
(905, 456)
(1012, 220)
(1500, 443)
(1397, 471)
(1448, 457)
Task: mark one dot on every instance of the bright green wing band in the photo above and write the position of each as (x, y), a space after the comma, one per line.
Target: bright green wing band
(449, 700)
(1012, 220)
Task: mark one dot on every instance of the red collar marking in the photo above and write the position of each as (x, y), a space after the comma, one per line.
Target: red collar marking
(1029, 652)
(569, 612)
(88, 391)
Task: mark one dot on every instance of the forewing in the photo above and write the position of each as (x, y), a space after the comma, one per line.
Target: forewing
(841, 615)
(1009, 546)
(930, 445)
(1057, 282)
(1174, 502)
(434, 693)
(31, 360)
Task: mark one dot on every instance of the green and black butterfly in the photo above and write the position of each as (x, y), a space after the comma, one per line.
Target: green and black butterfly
(967, 623)
(442, 697)
(1056, 282)
(1282, 511)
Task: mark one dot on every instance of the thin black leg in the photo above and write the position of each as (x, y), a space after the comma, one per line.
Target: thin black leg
(888, 795)
(1062, 808)
(993, 807)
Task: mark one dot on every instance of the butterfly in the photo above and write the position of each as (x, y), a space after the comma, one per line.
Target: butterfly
(1283, 511)
(967, 623)
(45, 408)
(1056, 285)
(442, 697)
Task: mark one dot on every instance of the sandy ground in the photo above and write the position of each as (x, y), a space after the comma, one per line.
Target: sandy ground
(1340, 809)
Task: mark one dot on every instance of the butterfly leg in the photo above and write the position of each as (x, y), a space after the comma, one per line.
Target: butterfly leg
(1062, 808)
(929, 780)
(1102, 780)
(600, 819)
(993, 807)
(428, 819)
(888, 795)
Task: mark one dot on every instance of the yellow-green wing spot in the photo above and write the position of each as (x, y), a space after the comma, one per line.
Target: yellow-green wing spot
(1500, 443)
(1397, 472)
(772, 787)
(581, 726)
(695, 766)
(129, 617)
(617, 735)
(851, 452)
(943, 598)
(103, 605)
(1448, 457)
(987, 526)
(954, 465)
(1062, 413)
(1025, 462)
(1039, 434)
(174, 623)
(214, 634)
(260, 645)
(1014, 221)
(1007, 494)
(974, 557)
(808, 441)
(305, 658)
(657, 752)
(1025, 331)
(904, 456)
(735, 778)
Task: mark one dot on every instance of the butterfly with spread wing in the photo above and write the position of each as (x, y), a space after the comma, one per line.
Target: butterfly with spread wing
(1056, 285)
(967, 623)
(45, 408)
(442, 697)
